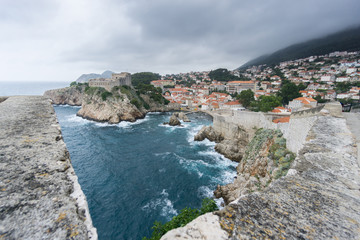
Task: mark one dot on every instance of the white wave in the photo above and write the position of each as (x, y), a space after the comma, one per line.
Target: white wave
(163, 204)
(126, 124)
(103, 124)
(75, 119)
(154, 113)
(162, 154)
(66, 105)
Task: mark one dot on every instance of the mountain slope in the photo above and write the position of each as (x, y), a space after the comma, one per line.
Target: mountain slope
(85, 77)
(347, 40)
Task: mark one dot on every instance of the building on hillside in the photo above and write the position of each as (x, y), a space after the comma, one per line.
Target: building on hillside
(233, 105)
(162, 83)
(302, 103)
(238, 86)
(117, 79)
(281, 110)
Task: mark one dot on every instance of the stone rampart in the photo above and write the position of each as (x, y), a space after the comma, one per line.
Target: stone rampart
(40, 197)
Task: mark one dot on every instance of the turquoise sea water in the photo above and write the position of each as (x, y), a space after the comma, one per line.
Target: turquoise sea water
(135, 173)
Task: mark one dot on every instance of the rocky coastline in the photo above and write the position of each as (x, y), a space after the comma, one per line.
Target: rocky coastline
(121, 104)
(40, 197)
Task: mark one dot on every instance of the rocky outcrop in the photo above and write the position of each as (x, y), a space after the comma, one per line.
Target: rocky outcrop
(40, 197)
(232, 147)
(182, 116)
(266, 159)
(319, 197)
(70, 95)
(113, 109)
(208, 132)
(174, 121)
(204, 227)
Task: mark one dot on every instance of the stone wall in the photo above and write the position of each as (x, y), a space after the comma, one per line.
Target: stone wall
(40, 197)
(319, 197)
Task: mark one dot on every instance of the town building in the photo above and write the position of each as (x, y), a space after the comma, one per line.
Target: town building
(117, 79)
(238, 86)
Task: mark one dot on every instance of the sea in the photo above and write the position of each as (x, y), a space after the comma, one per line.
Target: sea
(134, 174)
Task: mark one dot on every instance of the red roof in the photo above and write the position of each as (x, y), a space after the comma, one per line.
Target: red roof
(282, 120)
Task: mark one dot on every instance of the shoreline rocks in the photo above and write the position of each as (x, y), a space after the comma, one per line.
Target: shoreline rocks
(232, 148)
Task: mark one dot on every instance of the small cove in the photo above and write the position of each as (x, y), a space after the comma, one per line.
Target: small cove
(135, 173)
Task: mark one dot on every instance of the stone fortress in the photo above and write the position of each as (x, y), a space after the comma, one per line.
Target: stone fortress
(117, 79)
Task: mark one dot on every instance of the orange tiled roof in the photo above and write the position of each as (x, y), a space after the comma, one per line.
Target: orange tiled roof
(282, 120)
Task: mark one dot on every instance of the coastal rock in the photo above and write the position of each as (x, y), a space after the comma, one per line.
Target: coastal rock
(111, 110)
(70, 95)
(40, 197)
(182, 116)
(174, 121)
(209, 133)
(265, 159)
(204, 227)
(234, 147)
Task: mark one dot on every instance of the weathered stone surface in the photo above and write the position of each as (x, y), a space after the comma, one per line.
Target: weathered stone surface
(182, 116)
(204, 227)
(69, 95)
(209, 133)
(174, 121)
(40, 197)
(265, 159)
(232, 147)
(319, 198)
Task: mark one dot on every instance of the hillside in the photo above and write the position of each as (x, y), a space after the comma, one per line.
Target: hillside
(85, 77)
(347, 40)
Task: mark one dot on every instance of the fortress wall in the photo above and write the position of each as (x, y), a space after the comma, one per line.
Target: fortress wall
(40, 197)
(295, 131)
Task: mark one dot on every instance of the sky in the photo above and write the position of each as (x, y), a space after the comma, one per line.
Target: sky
(58, 40)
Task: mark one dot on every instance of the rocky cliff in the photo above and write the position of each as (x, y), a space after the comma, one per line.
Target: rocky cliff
(70, 95)
(121, 104)
(318, 198)
(103, 106)
(231, 145)
(40, 197)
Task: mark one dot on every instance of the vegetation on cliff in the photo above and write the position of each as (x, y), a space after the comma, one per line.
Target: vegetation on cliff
(143, 78)
(185, 216)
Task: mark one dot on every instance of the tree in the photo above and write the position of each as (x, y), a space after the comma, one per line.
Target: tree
(266, 103)
(222, 74)
(246, 97)
(143, 77)
(288, 91)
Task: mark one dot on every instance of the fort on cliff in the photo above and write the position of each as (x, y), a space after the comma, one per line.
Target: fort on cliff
(117, 79)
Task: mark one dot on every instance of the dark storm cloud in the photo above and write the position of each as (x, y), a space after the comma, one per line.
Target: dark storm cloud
(193, 32)
(158, 35)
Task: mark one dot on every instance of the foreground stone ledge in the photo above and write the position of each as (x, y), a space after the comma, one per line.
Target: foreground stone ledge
(40, 197)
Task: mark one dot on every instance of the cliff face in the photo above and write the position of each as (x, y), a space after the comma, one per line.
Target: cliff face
(266, 159)
(230, 145)
(318, 198)
(40, 197)
(69, 95)
(112, 109)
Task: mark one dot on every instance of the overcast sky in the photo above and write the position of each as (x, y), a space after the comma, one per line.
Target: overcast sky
(58, 40)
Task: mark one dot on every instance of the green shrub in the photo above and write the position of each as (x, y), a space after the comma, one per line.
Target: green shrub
(136, 103)
(185, 216)
(105, 94)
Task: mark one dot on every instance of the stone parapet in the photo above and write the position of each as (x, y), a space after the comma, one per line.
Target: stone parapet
(40, 197)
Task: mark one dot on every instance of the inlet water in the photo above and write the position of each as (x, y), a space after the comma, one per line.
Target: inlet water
(136, 173)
